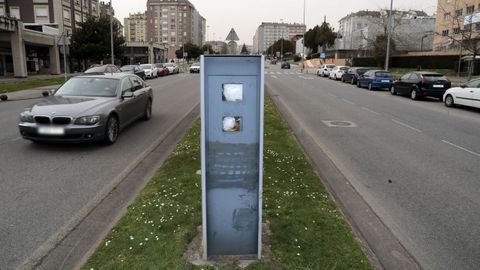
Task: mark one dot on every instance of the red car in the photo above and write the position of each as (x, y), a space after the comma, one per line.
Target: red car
(162, 69)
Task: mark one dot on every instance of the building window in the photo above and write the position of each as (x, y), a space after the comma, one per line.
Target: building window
(470, 10)
(445, 33)
(41, 14)
(447, 16)
(66, 14)
(477, 27)
(456, 30)
(15, 12)
(2, 10)
(459, 12)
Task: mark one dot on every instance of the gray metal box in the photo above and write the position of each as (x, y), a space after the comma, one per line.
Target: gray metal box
(232, 98)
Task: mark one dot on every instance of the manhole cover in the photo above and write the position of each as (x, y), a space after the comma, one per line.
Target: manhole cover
(339, 124)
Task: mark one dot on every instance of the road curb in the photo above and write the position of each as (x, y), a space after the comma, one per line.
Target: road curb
(382, 246)
(71, 246)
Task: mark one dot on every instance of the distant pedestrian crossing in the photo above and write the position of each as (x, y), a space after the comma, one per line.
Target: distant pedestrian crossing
(283, 73)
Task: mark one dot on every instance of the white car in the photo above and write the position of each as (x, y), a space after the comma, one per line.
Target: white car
(172, 68)
(468, 95)
(151, 71)
(337, 72)
(324, 70)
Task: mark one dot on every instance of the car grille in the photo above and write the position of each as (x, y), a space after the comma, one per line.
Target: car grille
(61, 120)
(42, 120)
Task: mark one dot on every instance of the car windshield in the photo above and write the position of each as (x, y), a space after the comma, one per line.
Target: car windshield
(361, 71)
(100, 69)
(434, 77)
(331, 66)
(344, 68)
(127, 68)
(89, 87)
(383, 74)
(146, 66)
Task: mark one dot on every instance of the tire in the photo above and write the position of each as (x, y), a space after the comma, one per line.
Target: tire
(353, 81)
(111, 131)
(358, 84)
(370, 87)
(147, 114)
(393, 91)
(449, 102)
(342, 80)
(414, 94)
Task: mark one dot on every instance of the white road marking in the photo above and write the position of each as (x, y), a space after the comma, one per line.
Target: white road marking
(279, 72)
(305, 78)
(370, 110)
(407, 126)
(461, 148)
(275, 77)
(330, 94)
(348, 101)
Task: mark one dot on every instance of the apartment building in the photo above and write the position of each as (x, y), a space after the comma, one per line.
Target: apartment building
(136, 27)
(61, 14)
(268, 33)
(174, 23)
(457, 20)
(413, 30)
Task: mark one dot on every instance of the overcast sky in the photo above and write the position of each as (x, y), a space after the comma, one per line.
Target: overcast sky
(246, 15)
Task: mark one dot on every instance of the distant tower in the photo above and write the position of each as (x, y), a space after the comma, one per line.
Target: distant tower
(232, 39)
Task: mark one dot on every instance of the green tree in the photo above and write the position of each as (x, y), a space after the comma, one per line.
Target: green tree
(208, 48)
(91, 41)
(192, 50)
(322, 36)
(277, 47)
(244, 49)
(379, 49)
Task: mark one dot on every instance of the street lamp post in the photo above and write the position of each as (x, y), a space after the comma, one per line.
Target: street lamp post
(111, 34)
(281, 42)
(390, 24)
(303, 39)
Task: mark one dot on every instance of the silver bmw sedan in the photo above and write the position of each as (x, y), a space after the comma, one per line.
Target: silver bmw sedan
(88, 108)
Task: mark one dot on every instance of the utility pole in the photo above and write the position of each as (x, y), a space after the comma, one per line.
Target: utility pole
(281, 44)
(390, 23)
(303, 43)
(65, 55)
(111, 33)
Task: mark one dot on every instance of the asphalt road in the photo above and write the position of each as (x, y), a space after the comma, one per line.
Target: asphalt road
(415, 162)
(43, 188)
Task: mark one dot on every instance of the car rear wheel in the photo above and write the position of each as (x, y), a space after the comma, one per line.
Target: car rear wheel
(112, 130)
(148, 111)
(393, 91)
(449, 101)
(414, 94)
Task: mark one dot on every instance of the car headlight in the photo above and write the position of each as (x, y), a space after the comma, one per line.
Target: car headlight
(87, 120)
(26, 117)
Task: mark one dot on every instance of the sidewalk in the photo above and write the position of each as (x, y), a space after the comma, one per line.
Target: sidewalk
(29, 93)
(9, 79)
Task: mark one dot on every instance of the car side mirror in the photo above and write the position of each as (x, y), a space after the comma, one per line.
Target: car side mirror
(127, 95)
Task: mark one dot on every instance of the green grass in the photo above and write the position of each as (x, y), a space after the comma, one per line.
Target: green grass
(398, 72)
(22, 85)
(308, 232)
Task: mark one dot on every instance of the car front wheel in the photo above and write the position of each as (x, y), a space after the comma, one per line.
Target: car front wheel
(147, 115)
(449, 101)
(370, 87)
(358, 84)
(353, 81)
(414, 94)
(393, 91)
(112, 130)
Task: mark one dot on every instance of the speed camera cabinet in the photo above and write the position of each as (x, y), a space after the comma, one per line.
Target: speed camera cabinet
(232, 98)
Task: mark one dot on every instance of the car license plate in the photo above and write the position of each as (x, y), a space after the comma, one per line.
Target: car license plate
(51, 131)
(438, 86)
(385, 81)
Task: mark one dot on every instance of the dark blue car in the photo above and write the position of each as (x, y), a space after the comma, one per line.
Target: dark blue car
(375, 79)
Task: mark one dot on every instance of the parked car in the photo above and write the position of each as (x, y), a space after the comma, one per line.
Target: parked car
(324, 70)
(273, 61)
(172, 68)
(285, 65)
(162, 69)
(134, 69)
(468, 95)
(421, 84)
(88, 108)
(375, 79)
(337, 72)
(102, 69)
(195, 68)
(151, 71)
(352, 74)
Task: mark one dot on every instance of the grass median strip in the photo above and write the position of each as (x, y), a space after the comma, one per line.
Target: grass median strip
(307, 230)
(22, 85)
